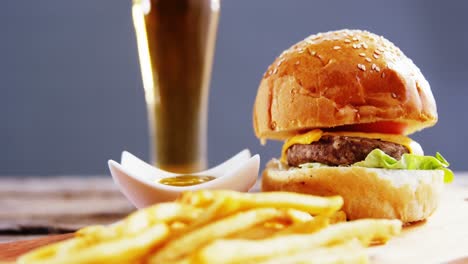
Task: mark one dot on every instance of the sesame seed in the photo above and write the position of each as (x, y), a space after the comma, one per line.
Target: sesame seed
(375, 67)
(362, 67)
(275, 70)
(376, 56)
(355, 39)
(336, 47)
(394, 95)
(355, 46)
(377, 52)
(364, 45)
(362, 54)
(383, 75)
(368, 59)
(279, 62)
(301, 50)
(297, 62)
(273, 125)
(347, 41)
(312, 52)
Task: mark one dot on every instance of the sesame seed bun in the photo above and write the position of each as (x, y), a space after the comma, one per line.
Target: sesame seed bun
(338, 78)
(367, 192)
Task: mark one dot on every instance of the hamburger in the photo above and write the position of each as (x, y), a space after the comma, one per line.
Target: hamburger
(345, 102)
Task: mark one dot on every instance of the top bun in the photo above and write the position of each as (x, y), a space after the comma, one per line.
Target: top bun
(341, 78)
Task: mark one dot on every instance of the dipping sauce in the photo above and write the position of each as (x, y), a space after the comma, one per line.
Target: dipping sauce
(186, 180)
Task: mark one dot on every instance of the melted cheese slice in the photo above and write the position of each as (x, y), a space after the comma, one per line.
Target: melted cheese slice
(315, 135)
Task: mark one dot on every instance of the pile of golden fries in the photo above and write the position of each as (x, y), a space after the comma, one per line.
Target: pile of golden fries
(226, 227)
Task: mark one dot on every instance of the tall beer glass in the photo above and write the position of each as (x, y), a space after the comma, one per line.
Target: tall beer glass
(176, 40)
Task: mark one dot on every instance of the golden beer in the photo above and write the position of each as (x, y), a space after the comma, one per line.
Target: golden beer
(175, 45)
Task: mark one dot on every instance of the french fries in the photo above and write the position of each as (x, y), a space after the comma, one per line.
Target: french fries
(181, 247)
(307, 203)
(226, 227)
(243, 251)
(349, 252)
(83, 250)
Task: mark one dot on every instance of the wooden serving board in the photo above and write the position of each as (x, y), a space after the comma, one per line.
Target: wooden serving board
(12, 250)
(441, 239)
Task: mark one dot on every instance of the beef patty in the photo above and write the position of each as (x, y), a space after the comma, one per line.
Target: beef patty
(341, 150)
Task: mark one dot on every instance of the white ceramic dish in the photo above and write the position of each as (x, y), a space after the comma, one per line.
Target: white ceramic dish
(138, 180)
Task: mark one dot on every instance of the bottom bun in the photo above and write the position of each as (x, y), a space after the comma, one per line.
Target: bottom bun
(408, 195)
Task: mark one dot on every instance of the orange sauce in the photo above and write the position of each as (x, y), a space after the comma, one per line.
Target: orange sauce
(186, 180)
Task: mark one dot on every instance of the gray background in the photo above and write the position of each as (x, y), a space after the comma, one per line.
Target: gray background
(71, 93)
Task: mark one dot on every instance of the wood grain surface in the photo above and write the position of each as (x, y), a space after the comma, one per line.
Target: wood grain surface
(11, 250)
(35, 206)
(441, 239)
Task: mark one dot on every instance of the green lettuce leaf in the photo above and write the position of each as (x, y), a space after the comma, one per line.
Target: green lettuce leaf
(378, 159)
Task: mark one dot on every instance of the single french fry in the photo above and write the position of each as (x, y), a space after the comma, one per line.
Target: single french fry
(350, 252)
(241, 251)
(308, 203)
(311, 204)
(77, 251)
(298, 216)
(183, 246)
